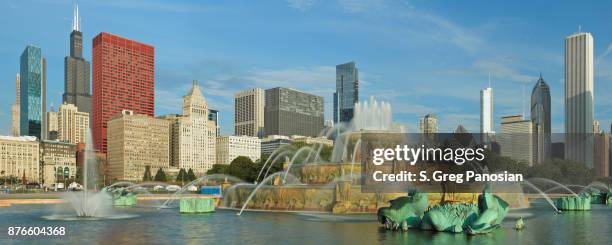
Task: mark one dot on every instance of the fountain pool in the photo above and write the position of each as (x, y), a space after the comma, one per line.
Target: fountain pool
(167, 226)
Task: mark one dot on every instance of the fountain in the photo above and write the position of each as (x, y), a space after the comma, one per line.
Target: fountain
(324, 186)
(89, 204)
(331, 188)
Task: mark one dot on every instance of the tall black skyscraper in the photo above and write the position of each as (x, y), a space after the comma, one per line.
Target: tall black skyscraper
(76, 70)
(290, 112)
(347, 92)
(540, 117)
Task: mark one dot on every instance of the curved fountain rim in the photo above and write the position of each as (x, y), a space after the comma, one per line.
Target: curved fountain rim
(93, 218)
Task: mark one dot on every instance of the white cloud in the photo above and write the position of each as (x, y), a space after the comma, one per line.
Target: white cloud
(156, 6)
(451, 32)
(357, 6)
(604, 55)
(219, 88)
(321, 78)
(301, 5)
(448, 122)
(170, 99)
(503, 71)
(411, 108)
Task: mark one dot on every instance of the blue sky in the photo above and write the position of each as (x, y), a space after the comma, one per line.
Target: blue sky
(421, 56)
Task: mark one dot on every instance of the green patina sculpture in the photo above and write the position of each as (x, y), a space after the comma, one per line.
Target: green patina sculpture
(609, 197)
(492, 211)
(597, 196)
(574, 203)
(412, 212)
(449, 217)
(520, 224)
(404, 212)
(197, 205)
(123, 197)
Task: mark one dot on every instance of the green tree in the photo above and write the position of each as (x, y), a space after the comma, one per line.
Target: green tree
(191, 175)
(243, 168)
(562, 171)
(160, 175)
(326, 153)
(219, 169)
(147, 174)
(181, 177)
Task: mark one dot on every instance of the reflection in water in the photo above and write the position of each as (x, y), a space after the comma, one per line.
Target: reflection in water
(167, 226)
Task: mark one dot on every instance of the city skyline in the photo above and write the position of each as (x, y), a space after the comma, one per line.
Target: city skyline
(315, 73)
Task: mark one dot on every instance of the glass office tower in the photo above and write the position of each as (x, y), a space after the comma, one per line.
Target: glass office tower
(347, 92)
(540, 117)
(32, 92)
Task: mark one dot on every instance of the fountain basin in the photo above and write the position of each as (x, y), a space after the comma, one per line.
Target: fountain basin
(335, 187)
(122, 197)
(574, 203)
(197, 205)
(127, 200)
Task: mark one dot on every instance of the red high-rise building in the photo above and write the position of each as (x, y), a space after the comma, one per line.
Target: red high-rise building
(123, 79)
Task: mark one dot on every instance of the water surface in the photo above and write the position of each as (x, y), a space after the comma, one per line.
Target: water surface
(167, 226)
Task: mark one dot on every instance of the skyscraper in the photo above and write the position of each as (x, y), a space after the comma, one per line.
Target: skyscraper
(515, 138)
(486, 112)
(290, 112)
(579, 98)
(32, 93)
(52, 127)
(213, 116)
(15, 109)
(540, 117)
(347, 92)
(428, 124)
(193, 134)
(249, 112)
(72, 124)
(123, 79)
(136, 141)
(76, 70)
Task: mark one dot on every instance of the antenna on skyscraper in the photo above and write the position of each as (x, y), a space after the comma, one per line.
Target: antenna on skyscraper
(579, 28)
(76, 21)
(489, 79)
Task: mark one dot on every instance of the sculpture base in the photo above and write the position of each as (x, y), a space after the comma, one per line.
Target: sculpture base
(196, 205)
(123, 201)
(572, 203)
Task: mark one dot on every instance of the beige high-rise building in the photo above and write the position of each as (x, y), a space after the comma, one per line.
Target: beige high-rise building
(428, 124)
(192, 141)
(249, 112)
(51, 124)
(58, 162)
(134, 142)
(596, 127)
(579, 98)
(19, 157)
(15, 109)
(231, 147)
(515, 139)
(72, 124)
